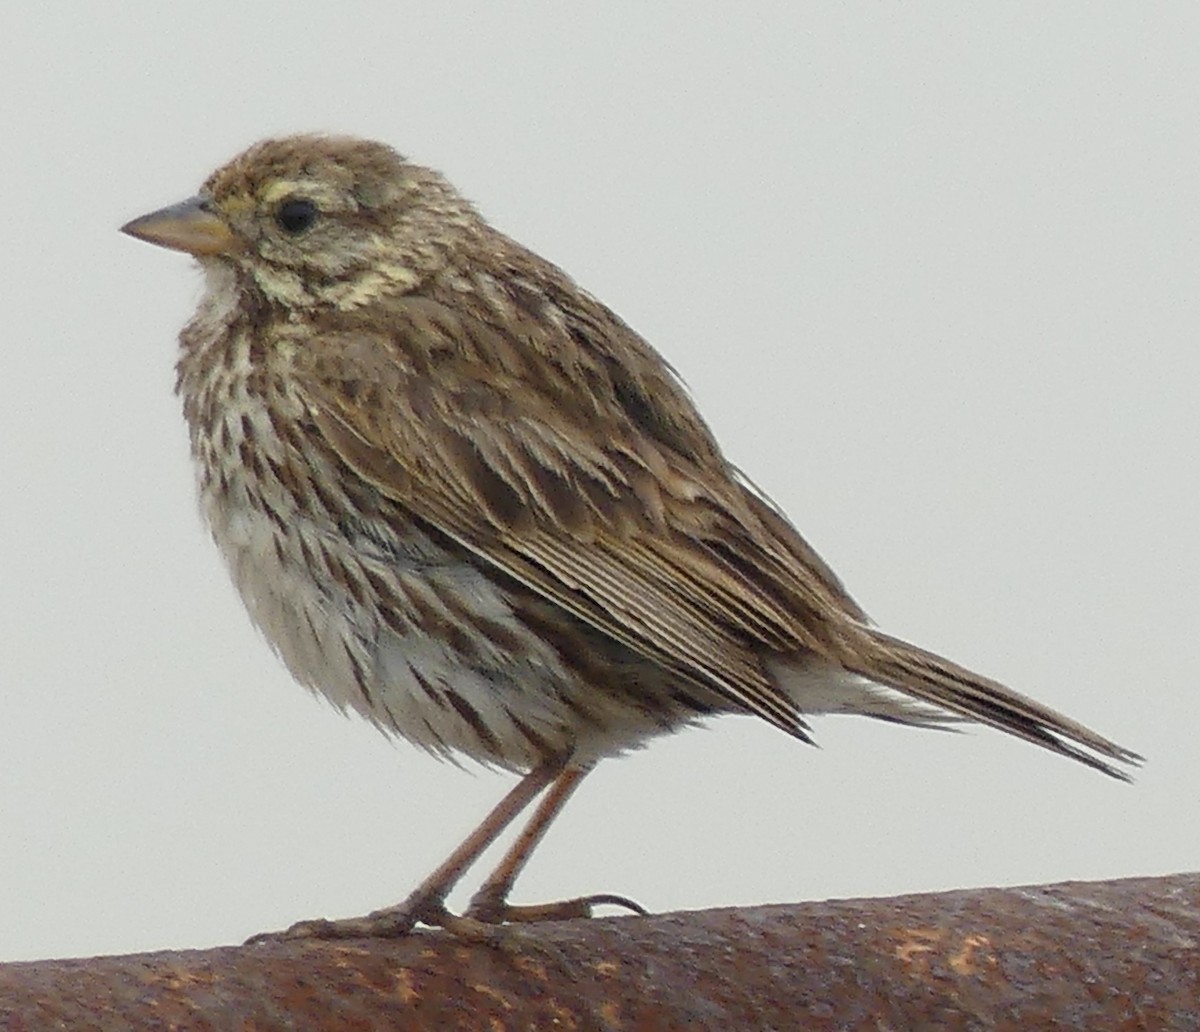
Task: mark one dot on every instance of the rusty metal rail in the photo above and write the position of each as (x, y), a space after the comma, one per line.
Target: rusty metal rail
(1119, 956)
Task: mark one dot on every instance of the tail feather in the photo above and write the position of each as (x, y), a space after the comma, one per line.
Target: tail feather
(931, 679)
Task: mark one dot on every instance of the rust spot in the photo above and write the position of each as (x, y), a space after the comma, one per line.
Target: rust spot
(493, 994)
(918, 941)
(405, 989)
(562, 1017)
(533, 967)
(181, 980)
(964, 961)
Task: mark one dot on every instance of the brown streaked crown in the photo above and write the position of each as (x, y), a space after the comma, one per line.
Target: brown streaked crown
(377, 224)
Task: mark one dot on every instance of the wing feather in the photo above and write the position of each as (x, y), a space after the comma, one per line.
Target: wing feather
(630, 520)
(619, 530)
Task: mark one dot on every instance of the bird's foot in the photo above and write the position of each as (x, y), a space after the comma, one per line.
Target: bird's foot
(388, 923)
(488, 909)
(481, 923)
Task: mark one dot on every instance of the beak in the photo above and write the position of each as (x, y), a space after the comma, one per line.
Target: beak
(188, 226)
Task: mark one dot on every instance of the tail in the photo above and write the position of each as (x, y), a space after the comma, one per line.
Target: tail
(930, 679)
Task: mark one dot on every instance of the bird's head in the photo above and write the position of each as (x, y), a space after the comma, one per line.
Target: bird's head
(319, 221)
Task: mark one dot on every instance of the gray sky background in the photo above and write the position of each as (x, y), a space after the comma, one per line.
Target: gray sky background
(931, 273)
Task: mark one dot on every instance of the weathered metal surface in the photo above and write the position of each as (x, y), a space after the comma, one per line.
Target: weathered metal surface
(1119, 956)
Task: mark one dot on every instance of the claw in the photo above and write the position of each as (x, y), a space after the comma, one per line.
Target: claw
(498, 911)
(609, 899)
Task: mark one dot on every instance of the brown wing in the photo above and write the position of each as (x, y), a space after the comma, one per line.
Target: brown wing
(612, 501)
(576, 496)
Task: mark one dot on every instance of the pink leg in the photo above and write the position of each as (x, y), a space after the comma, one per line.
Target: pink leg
(427, 902)
(490, 904)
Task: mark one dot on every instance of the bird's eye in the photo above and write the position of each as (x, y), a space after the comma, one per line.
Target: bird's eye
(296, 215)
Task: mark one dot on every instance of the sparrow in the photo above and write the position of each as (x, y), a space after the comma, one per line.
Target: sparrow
(461, 497)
